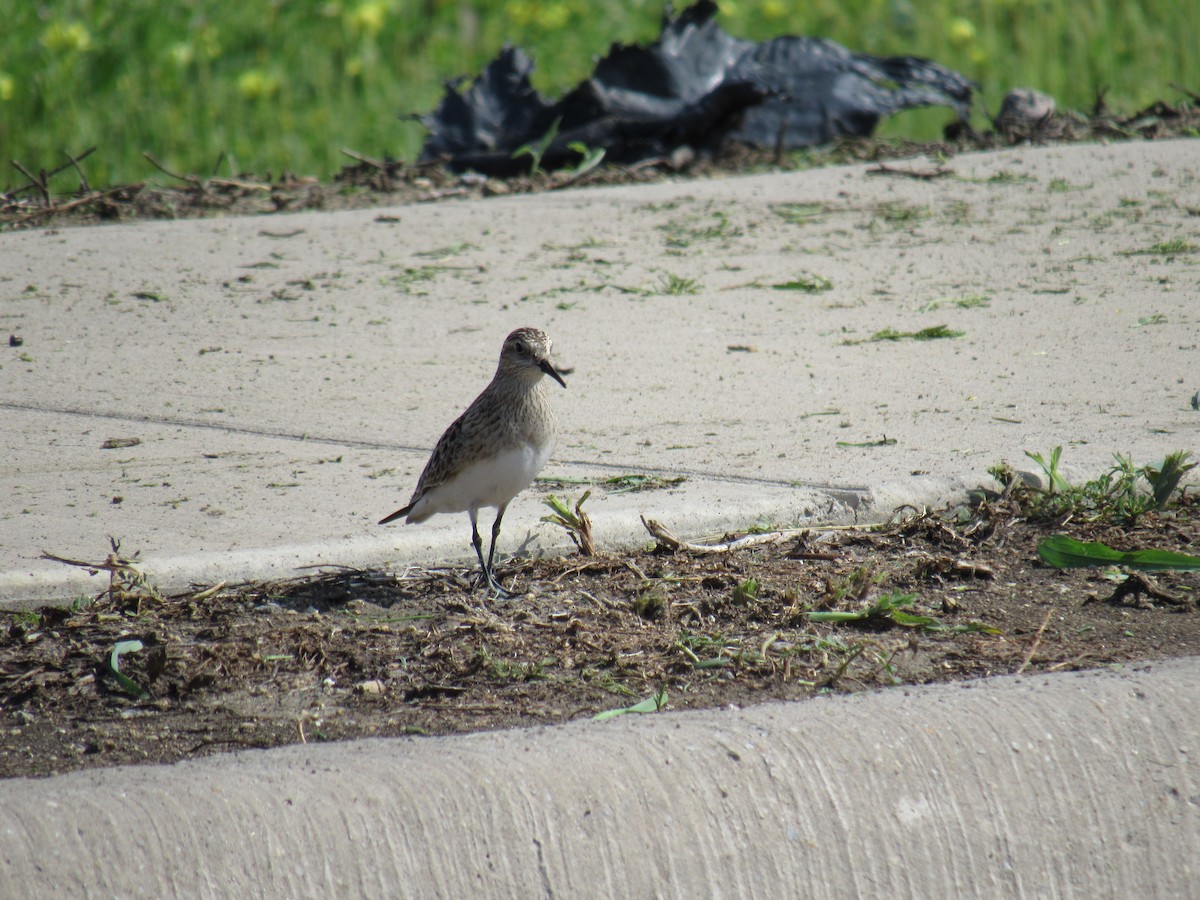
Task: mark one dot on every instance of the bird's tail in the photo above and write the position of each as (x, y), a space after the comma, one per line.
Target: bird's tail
(396, 515)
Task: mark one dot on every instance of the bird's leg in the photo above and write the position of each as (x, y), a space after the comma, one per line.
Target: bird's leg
(477, 541)
(487, 579)
(493, 583)
(495, 534)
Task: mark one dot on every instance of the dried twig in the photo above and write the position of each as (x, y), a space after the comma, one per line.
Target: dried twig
(123, 572)
(1184, 90)
(83, 182)
(187, 179)
(379, 165)
(666, 539)
(922, 174)
(1140, 584)
(34, 181)
(240, 185)
(1037, 640)
(94, 197)
(365, 160)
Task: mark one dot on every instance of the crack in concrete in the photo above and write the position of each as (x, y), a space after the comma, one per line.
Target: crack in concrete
(850, 494)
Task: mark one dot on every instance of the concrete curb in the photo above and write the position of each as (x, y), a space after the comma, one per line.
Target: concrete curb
(700, 506)
(1059, 785)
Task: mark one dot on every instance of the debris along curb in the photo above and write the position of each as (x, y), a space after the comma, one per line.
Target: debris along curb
(1053, 785)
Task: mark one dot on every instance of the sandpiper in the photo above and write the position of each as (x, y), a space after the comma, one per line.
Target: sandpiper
(495, 449)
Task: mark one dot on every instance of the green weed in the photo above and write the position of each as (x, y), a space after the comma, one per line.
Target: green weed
(682, 233)
(576, 523)
(620, 484)
(799, 213)
(933, 333)
(967, 301)
(1174, 247)
(650, 704)
(898, 214)
(806, 282)
(746, 591)
(651, 604)
(589, 157)
(509, 670)
(676, 286)
(1123, 494)
(537, 149)
(894, 608)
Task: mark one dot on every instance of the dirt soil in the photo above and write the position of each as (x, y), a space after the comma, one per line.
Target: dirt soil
(346, 654)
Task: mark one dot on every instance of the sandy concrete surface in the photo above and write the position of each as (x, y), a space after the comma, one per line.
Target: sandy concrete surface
(1070, 785)
(285, 376)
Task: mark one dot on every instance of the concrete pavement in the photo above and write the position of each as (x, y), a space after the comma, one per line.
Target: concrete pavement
(284, 377)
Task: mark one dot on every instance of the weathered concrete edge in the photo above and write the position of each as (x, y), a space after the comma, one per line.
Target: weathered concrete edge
(1079, 784)
(701, 506)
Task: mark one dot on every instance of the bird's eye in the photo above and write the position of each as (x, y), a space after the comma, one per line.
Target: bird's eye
(519, 346)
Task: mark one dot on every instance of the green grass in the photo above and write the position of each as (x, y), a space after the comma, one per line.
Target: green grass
(932, 333)
(273, 87)
(806, 282)
(1123, 494)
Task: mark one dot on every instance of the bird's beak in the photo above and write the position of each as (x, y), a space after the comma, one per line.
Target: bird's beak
(549, 369)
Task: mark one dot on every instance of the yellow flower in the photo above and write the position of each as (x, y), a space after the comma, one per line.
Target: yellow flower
(66, 36)
(255, 84)
(553, 16)
(368, 18)
(209, 40)
(7, 86)
(182, 53)
(519, 12)
(960, 31)
(774, 9)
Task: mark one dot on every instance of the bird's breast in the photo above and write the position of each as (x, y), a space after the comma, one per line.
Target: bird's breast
(493, 481)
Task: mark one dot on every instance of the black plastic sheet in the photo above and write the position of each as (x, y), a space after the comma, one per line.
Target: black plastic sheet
(696, 86)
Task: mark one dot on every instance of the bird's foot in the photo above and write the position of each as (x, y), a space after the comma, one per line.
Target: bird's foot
(488, 580)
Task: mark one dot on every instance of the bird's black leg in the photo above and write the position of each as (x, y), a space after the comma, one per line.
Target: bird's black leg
(495, 534)
(494, 584)
(477, 541)
(486, 578)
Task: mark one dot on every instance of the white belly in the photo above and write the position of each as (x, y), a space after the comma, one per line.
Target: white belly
(491, 482)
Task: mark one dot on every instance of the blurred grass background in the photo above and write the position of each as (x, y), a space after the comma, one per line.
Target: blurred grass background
(282, 86)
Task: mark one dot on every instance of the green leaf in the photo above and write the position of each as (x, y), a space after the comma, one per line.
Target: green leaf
(650, 704)
(1064, 552)
(112, 665)
(592, 157)
(1058, 484)
(837, 617)
(1165, 478)
(890, 607)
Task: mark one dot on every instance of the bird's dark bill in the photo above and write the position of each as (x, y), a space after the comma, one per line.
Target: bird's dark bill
(546, 367)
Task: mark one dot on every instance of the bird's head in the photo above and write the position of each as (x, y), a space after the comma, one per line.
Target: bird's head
(529, 348)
